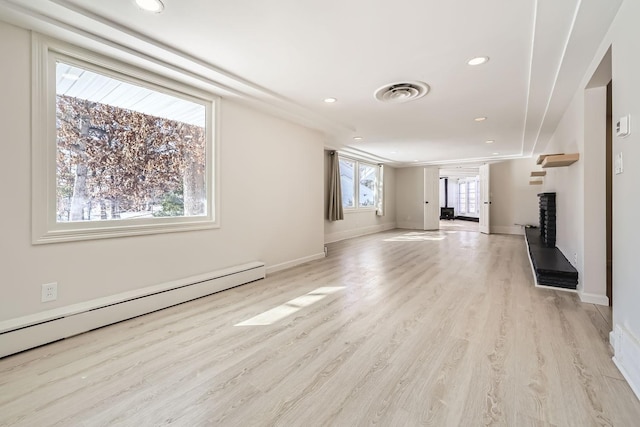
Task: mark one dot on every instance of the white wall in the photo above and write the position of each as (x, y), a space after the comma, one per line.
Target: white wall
(513, 200)
(360, 222)
(271, 207)
(574, 184)
(410, 198)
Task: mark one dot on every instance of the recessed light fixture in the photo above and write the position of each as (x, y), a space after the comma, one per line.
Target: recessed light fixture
(478, 60)
(330, 100)
(480, 119)
(489, 141)
(495, 154)
(394, 152)
(357, 138)
(155, 6)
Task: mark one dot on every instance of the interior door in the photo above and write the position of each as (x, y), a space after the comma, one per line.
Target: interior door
(485, 198)
(431, 198)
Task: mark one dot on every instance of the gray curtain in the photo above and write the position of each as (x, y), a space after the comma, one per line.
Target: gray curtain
(335, 192)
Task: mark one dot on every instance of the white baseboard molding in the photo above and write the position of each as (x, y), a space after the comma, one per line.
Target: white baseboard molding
(356, 232)
(513, 229)
(410, 226)
(626, 348)
(293, 263)
(31, 331)
(593, 298)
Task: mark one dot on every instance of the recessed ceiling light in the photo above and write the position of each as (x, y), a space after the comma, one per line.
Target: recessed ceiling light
(155, 6)
(478, 61)
(357, 138)
(394, 152)
(495, 154)
(480, 119)
(330, 100)
(489, 141)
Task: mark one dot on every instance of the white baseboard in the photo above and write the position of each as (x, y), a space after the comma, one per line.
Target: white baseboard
(31, 331)
(410, 225)
(356, 232)
(513, 229)
(293, 263)
(626, 348)
(593, 298)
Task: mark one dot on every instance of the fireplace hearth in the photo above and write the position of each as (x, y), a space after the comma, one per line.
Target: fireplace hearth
(550, 266)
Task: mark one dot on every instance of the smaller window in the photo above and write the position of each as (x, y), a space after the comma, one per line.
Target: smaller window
(367, 187)
(347, 183)
(473, 208)
(462, 196)
(359, 183)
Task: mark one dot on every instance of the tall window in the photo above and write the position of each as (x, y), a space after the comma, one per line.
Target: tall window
(358, 181)
(462, 195)
(348, 183)
(472, 187)
(127, 155)
(468, 196)
(367, 188)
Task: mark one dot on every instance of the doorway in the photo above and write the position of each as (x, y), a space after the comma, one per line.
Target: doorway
(461, 198)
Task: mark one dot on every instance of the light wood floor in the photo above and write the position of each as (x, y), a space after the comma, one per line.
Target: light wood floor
(394, 329)
(459, 225)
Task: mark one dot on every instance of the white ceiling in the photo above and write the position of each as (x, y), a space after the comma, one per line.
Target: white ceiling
(288, 55)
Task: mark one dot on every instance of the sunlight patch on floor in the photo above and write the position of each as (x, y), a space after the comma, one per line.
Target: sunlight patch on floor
(416, 236)
(288, 308)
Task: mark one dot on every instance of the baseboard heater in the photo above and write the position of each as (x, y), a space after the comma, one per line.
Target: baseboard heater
(31, 331)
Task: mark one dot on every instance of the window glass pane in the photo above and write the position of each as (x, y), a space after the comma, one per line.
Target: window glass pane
(472, 196)
(462, 197)
(347, 182)
(126, 151)
(367, 185)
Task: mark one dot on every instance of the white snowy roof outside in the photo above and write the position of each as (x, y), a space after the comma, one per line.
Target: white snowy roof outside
(85, 84)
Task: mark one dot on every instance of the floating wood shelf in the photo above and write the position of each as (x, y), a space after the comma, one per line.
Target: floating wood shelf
(560, 160)
(541, 157)
(535, 182)
(538, 173)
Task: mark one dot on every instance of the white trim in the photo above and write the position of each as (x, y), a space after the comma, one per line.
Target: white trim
(626, 348)
(554, 288)
(410, 225)
(30, 331)
(593, 298)
(295, 262)
(510, 229)
(45, 228)
(356, 232)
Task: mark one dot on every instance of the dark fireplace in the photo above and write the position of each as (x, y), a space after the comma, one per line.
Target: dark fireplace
(548, 219)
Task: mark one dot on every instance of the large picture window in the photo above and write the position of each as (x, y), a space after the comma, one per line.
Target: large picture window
(124, 154)
(359, 182)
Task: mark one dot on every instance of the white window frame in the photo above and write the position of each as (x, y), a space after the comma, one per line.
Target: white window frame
(356, 190)
(45, 227)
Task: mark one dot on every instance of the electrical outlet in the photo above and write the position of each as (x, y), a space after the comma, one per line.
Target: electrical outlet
(575, 258)
(49, 292)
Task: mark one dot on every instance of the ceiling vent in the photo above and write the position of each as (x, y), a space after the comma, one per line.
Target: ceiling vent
(396, 93)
